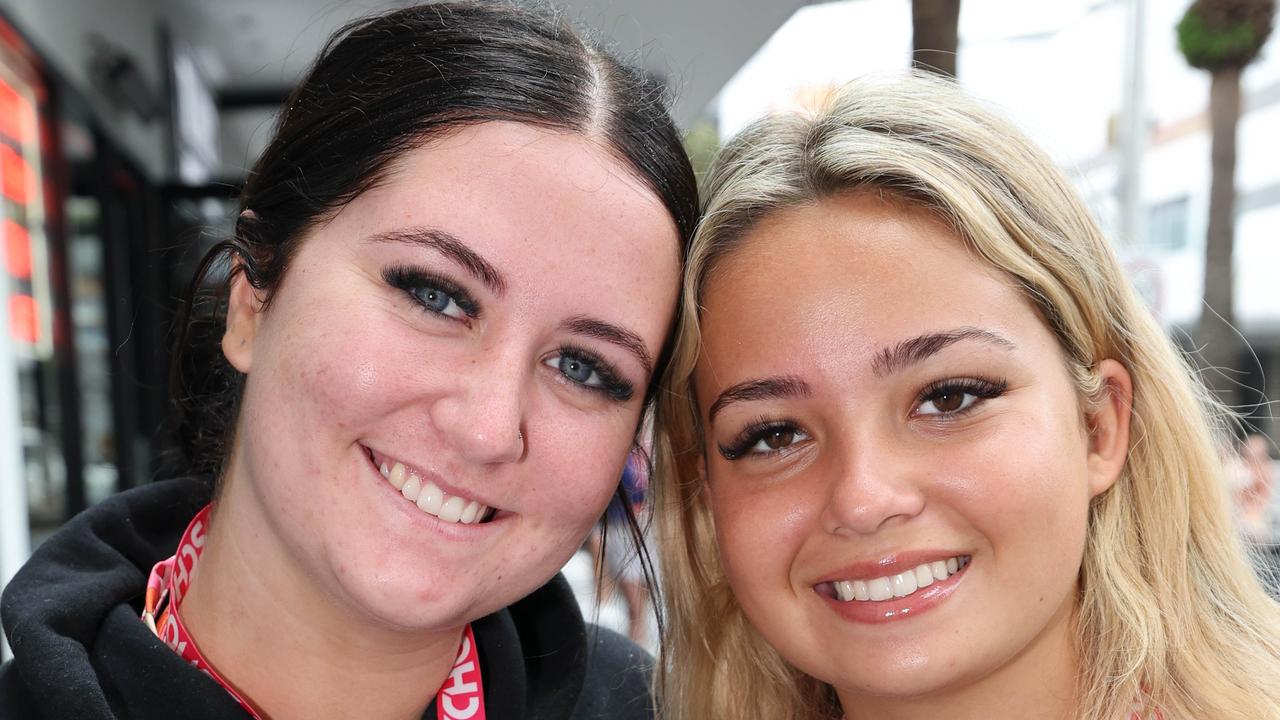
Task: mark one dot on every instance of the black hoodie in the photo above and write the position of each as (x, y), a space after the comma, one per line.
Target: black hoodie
(80, 651)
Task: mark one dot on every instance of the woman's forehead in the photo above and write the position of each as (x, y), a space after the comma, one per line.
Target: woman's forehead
(546, 217)
(850, 276)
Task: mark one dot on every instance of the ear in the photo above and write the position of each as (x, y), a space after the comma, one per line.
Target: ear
(244, 312)
(1108, 424)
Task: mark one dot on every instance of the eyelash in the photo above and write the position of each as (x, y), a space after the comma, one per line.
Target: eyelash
(612, 384)
(754, 433)
(411, 280)
(979, 388)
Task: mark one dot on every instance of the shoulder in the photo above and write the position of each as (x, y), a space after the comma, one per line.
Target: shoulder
(70, 612)
(618, 682)
(94, 562)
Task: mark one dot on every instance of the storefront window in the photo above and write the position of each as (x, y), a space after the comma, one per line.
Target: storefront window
(87, 268)
(28, 299)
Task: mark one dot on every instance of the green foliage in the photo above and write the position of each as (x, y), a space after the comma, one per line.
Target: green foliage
(1218, 34)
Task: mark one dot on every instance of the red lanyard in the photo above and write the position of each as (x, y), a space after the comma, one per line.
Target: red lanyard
(461, 697)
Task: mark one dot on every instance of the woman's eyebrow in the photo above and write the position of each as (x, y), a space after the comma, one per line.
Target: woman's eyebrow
(760, 389)
(917, 349)
(451, 247)
(620, 336)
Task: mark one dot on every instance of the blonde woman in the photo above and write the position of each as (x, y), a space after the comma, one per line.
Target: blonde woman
(924, 452)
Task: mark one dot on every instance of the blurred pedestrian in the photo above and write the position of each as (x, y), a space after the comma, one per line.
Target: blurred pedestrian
(1252, 490)
(619, 561)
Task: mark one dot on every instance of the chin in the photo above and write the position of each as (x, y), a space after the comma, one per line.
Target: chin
(906, 677)
(394, 591)
(416, 609)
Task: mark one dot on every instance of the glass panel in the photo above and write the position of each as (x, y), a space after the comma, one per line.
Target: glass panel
(92, 342)
(29, 302)
(1167, 225)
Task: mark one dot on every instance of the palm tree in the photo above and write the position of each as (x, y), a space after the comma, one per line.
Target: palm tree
(1222, 37)
(935, 35)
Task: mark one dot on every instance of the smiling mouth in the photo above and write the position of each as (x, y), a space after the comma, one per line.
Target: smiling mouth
(903, 584)
(427, 496)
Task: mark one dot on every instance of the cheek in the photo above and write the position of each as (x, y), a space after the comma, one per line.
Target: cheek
(1022, 484)
(760, 535)
(348, 363)
(305, 408)
(576, 461)
(339, 378)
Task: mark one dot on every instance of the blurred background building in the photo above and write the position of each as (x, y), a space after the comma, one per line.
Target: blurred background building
(127, 127)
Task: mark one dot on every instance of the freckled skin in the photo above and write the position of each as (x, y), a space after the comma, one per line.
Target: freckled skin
(341, 360)
(817, 292)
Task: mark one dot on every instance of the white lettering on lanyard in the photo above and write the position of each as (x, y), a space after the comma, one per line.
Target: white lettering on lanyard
(459, 684)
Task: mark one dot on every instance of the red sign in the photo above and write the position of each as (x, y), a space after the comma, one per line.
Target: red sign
(16, 114)
(17, 250)
(16, 178)
(24, 318)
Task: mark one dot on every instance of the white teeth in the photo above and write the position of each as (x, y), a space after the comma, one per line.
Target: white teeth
(397, 476)
(904, 583)
(411, 488)
(880, 589)
(860, 591)
(431, 499)
(900, 585)
(924, 576)
(451, 511)
(844, 590)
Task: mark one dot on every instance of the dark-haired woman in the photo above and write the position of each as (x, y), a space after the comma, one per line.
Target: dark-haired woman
(453, 280)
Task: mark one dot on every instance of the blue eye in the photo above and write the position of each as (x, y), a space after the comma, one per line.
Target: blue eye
(591, 373)
(435, 294)
(438, 301)
(578, 370)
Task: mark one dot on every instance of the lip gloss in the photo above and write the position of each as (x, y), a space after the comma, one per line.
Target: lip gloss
(894, 608)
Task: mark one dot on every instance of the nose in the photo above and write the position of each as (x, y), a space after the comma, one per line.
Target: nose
(874, 486)
(482, 414)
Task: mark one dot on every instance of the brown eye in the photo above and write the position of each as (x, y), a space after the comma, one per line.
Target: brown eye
(952, 398)
(948, 401)
(779, 438)
(765, 440)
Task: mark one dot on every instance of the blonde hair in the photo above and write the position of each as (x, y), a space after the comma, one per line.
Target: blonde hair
(1169, 609)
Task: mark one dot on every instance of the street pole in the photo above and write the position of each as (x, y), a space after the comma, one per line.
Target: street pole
(1134, 127)
(15, 538)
